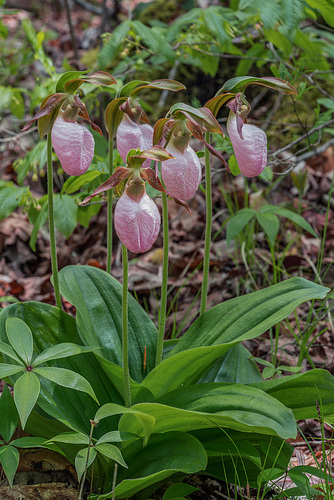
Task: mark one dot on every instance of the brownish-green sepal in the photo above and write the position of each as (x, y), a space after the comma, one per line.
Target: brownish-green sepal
(114, 115)
(163, 84)
(157, 153)
(83, 113)
(98, 78)
(148, 175)
(159, 129)
(218, 101)
(120, 175)
(202, 116)
(238, 84)
(47, 113)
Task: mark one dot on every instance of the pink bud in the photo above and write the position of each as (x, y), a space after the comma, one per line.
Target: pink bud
(73, 144)
(130, 135)
(182, 174)
(249, 145)
(137, 224)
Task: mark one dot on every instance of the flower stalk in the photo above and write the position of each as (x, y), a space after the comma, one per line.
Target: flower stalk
(53, 247)
(109, 206)
(163, 300)
(208, 228)
(125, 329)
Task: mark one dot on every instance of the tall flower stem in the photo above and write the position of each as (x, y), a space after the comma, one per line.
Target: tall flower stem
(163, 301)
(53, 247)
(109, 205)
(125, 329)
(208, 228)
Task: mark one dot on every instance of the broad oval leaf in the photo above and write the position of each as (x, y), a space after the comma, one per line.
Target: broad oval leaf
(9, 351)
(237, 223)
(270, 225)
(238, 84)
(20, 337)
(203, 406)
(9, 370)
(117, 437)
(249, 316)
(71, 437)
(97, 297)
(26, 392)
(164, 455)
(302, 392)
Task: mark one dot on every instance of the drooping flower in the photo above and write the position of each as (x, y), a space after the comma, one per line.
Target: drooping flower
(182, 174)
(249, 142)
(131, 135)
(73, 144)
(137, 222)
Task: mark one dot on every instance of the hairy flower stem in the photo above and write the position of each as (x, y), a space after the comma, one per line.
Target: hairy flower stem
(208, 228)
(53, 247)
(163, 301)
(109, 206)
(125, 330)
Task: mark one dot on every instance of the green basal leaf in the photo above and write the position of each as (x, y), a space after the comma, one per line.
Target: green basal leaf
(288, 214)
(81, 460)
(9, 458)
(239, 84)
(65, 211)
(97, 297)
(9, 416)
(67, 378)
(20, 337)
(59, 351)
(208, 405)
(112, 452)
(178, 490)
(302, 392)
(26, 392)
(249, 316)
(165, 454)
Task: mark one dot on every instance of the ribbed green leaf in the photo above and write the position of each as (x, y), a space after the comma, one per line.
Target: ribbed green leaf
(249, 316)
(20, 337)
(208, 405)
(288, 214)
(71, 437)
(302, 392)
(165, 454)
(270, 225)
(98, 299)
(238, 222)
(65, 211)
(117, 437)
(26, 392)
(9, 370)
(9, 351)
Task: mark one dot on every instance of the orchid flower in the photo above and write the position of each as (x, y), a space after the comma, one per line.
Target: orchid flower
(73, 144)
(249, 142)
(137, 219)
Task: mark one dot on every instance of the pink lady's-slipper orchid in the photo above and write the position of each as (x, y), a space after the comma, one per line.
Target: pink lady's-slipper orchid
(131, 133)
(182, 174)
(249, 142)
(137, 218)
(73, 144)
